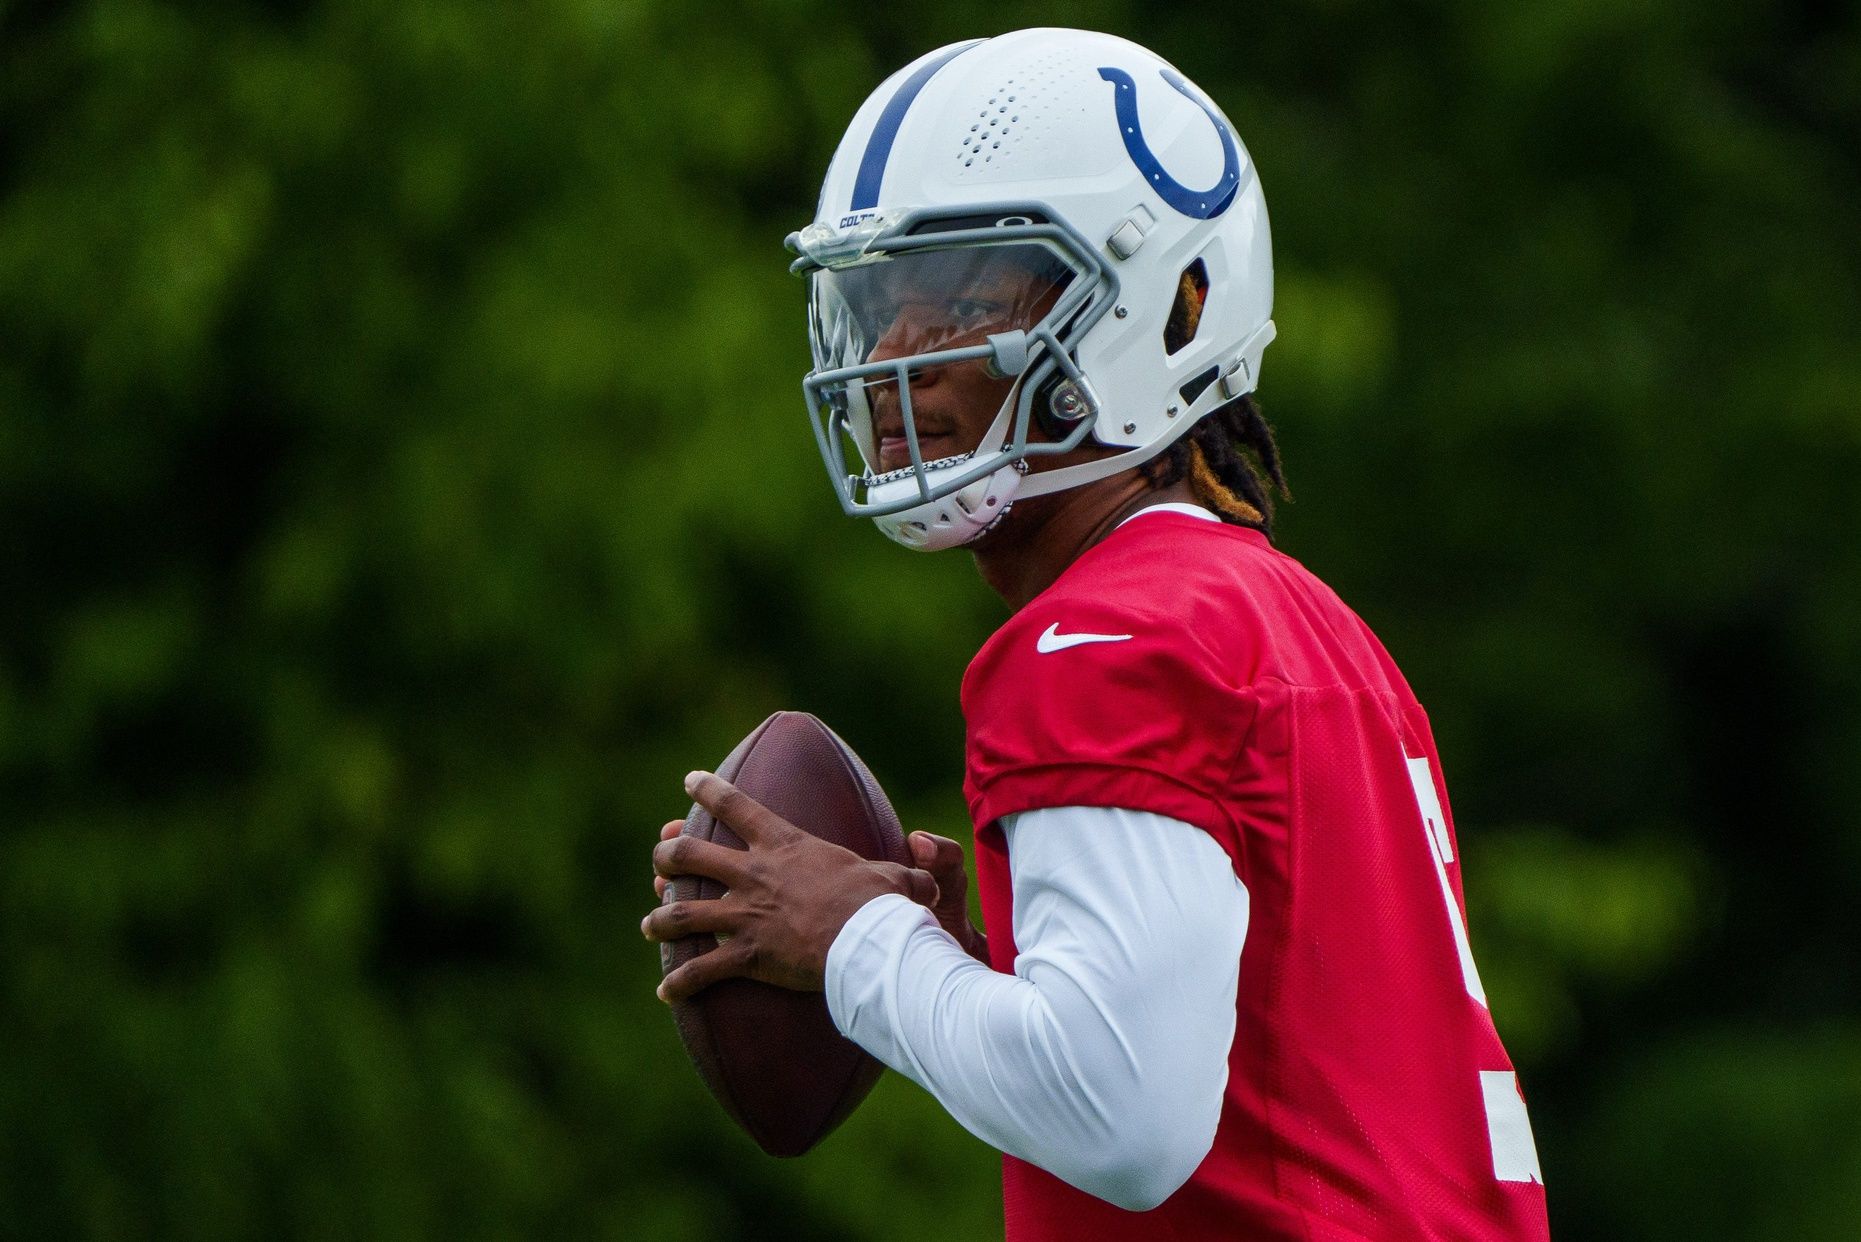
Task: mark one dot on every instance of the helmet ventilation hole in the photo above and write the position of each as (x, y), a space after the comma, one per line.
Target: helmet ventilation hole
(1186, 311)
(998, 119)
(1197, 385)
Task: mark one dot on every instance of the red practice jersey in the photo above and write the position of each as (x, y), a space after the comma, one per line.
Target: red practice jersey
(1368, 1095)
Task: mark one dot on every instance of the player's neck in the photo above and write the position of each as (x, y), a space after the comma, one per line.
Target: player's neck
(1041, 537)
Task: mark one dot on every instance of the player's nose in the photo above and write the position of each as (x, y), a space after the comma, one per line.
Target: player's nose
(911, 332)
(898, 342)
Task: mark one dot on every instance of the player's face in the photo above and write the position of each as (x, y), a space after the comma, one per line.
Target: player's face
(953, 404)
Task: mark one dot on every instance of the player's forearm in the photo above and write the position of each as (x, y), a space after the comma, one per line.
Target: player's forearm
(1033, 1071)
(1103, 1060)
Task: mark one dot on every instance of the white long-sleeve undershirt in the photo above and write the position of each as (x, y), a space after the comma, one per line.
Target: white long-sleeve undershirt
(1103, 1058)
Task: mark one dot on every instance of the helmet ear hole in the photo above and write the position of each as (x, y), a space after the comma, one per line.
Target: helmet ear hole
(1186, 311)
(1048, 424)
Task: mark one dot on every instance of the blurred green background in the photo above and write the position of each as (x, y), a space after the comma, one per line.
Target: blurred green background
(404, 481)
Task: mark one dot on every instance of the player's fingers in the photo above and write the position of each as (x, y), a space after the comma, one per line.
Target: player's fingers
(726, 961)
(918, 885)
(692, 856)
(671, 829)
(750, 819)
(690, 918)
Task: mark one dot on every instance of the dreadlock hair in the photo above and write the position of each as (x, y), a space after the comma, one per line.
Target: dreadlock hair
(1229, 456)
(1231, 462)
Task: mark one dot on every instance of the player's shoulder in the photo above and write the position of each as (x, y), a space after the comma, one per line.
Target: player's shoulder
(1175, 573)
(1228, 588)
(1166, 552)
(1195, 596)
(1166, 587)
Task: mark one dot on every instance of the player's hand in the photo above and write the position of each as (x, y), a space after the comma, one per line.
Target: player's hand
(790, 894)
(666, 834)
(943, 858)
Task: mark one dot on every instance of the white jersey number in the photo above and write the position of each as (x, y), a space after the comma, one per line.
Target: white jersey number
(1442, 851)
(1515, 1154)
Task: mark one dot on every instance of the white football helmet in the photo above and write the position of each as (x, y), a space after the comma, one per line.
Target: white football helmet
(1092, 168)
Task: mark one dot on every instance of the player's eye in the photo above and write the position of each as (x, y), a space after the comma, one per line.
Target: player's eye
(973, 310)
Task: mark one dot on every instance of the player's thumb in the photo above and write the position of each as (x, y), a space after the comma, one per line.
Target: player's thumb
(940, 856)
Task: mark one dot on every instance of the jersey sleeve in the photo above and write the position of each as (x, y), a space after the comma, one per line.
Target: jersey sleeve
(1103, 1057)
(1088, 702)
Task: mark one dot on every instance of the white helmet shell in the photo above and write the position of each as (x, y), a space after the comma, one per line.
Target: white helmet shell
(1106, 140)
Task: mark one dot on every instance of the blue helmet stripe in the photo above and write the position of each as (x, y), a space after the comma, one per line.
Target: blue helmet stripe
(879, 146)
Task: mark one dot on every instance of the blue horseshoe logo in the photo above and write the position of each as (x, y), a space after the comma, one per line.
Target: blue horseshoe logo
(1201, 204)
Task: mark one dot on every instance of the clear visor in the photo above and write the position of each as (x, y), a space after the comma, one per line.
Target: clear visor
(922, 301)
(926, 316)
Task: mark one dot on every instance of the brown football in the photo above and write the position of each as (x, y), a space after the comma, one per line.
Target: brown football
(771, 1056)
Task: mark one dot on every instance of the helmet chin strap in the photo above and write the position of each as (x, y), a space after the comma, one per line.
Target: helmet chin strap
(1046, 482)
(964, 515)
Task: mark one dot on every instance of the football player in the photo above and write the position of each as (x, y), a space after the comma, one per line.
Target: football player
(1226, 989)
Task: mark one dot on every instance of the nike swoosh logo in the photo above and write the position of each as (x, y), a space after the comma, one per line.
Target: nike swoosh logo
(1053, 640)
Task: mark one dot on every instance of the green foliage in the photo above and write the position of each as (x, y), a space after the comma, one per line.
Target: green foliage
(405, 482)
